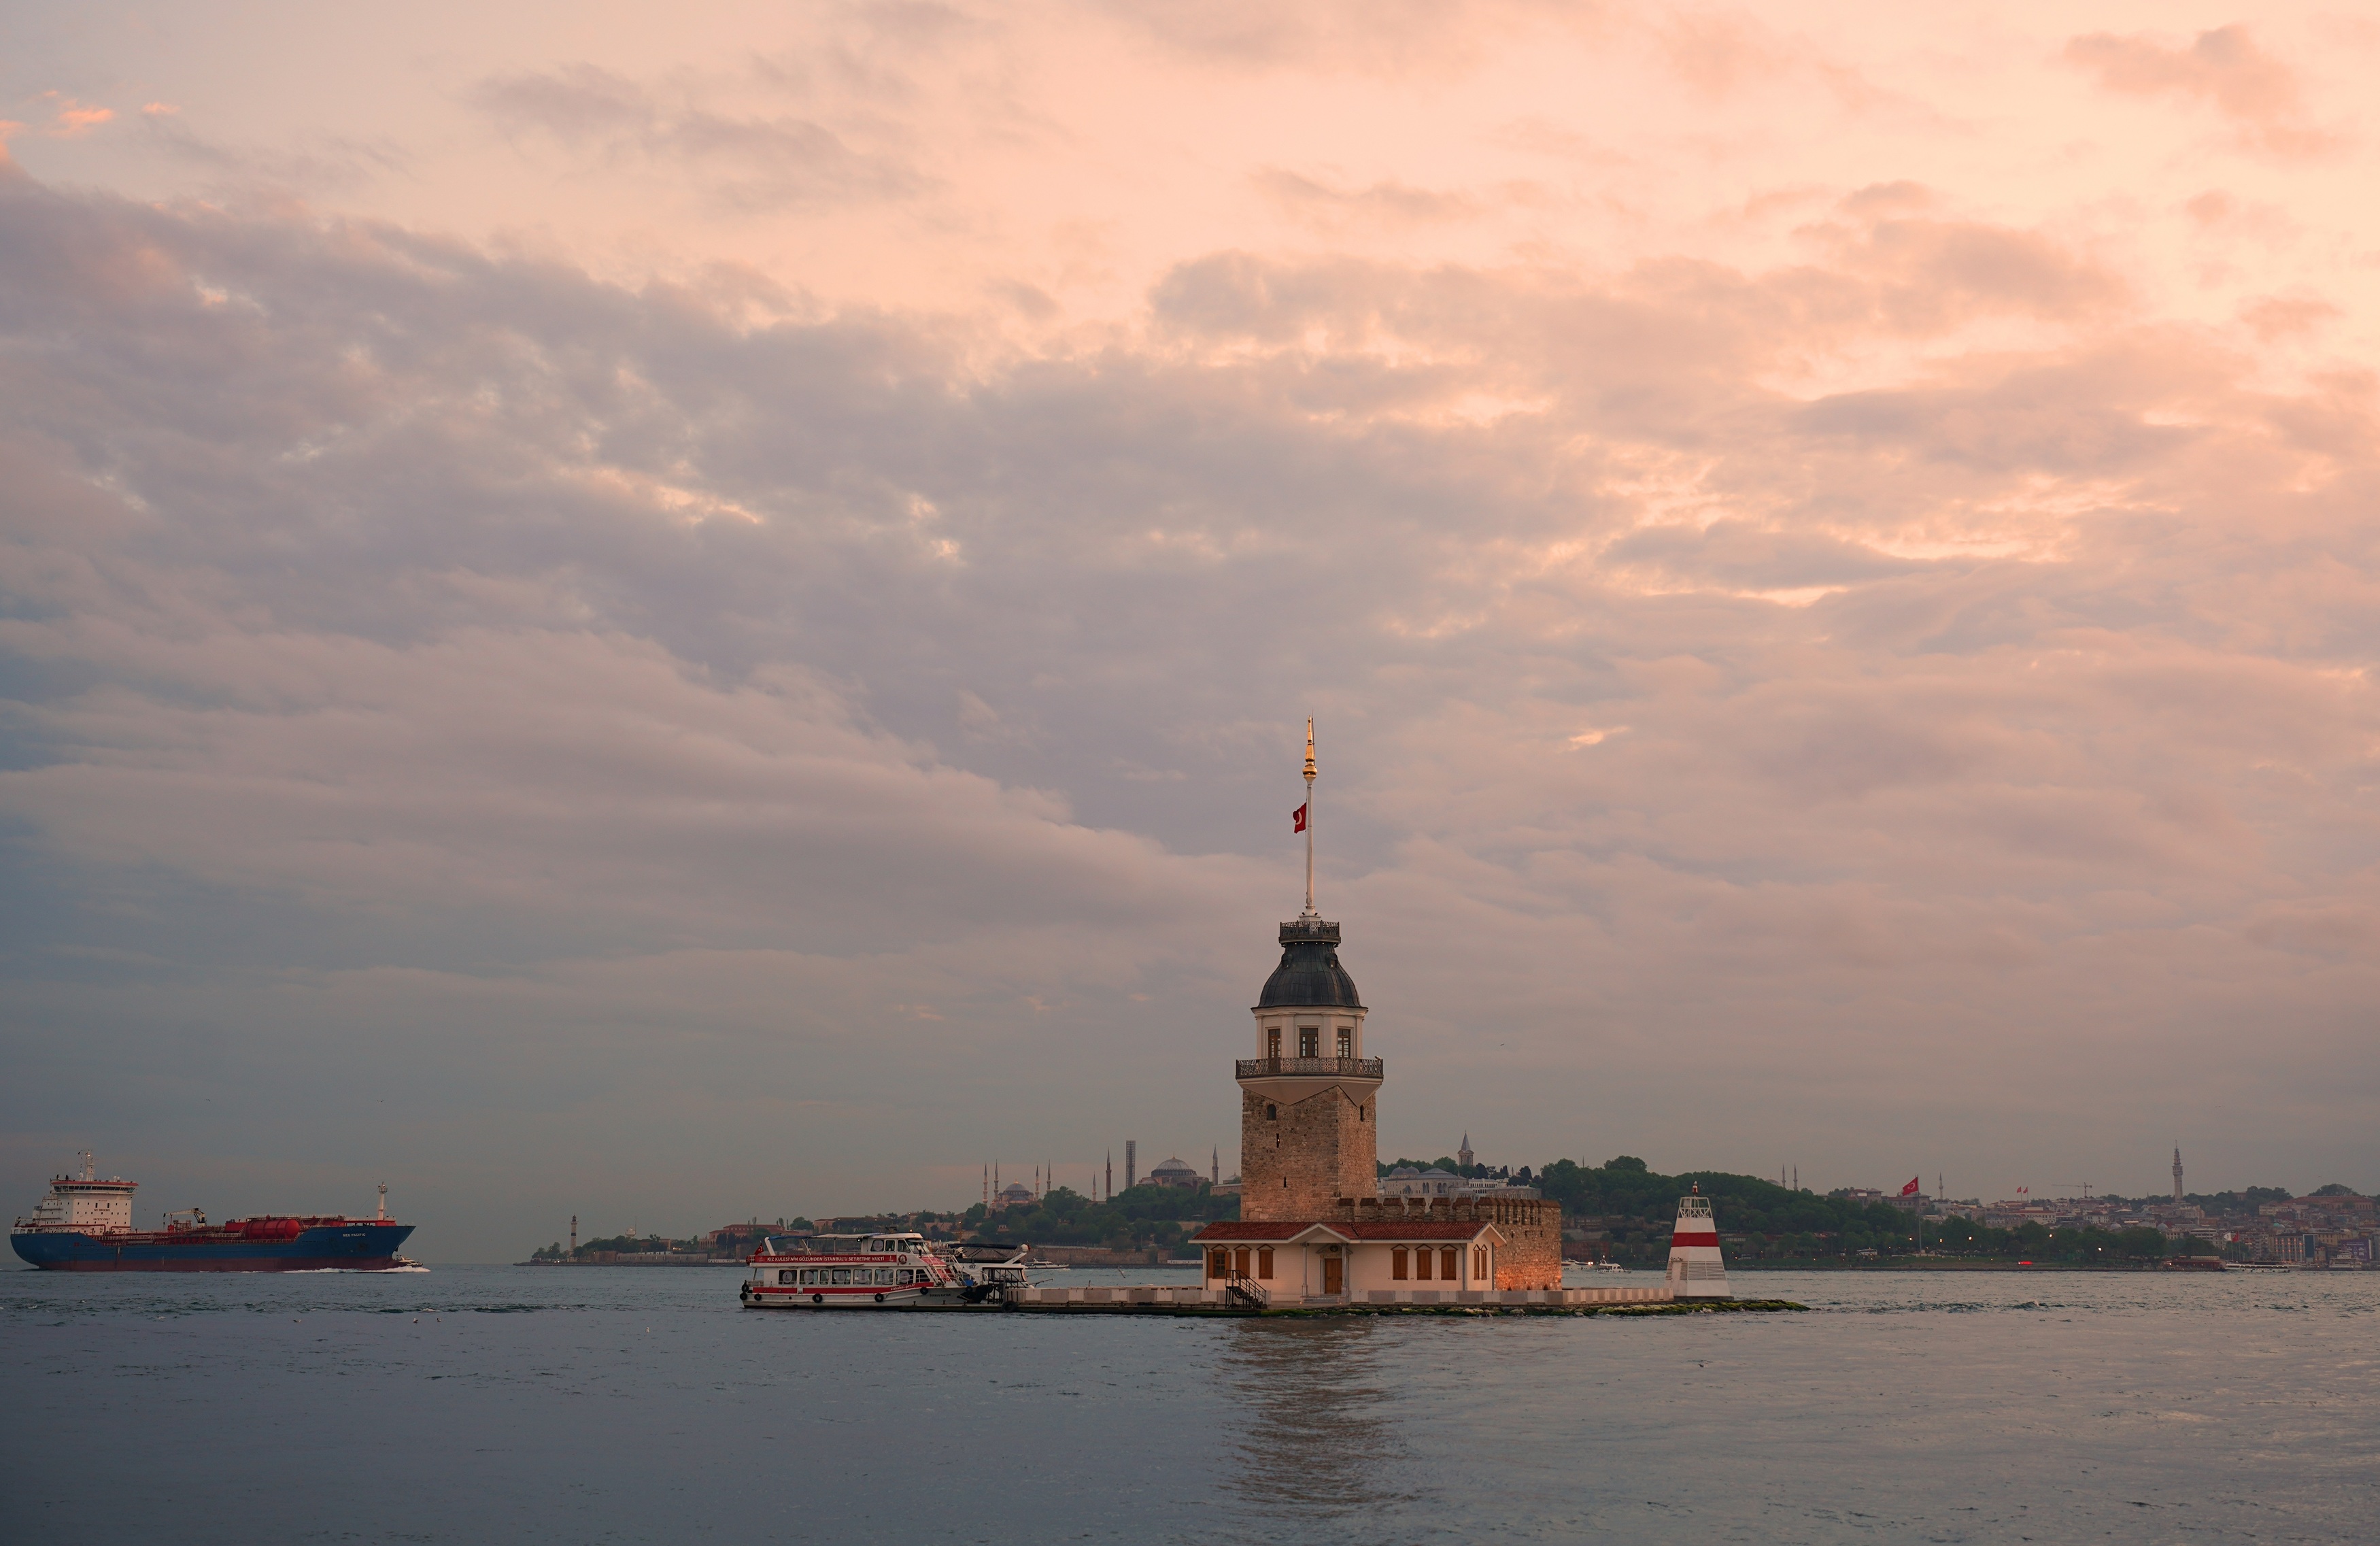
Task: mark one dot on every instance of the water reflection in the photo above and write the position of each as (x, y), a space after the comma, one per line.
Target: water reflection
(1316, 1440)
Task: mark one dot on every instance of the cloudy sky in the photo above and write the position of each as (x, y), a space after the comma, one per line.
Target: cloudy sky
(670, 613)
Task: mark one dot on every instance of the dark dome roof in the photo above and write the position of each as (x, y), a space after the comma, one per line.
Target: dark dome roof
(1309, 974)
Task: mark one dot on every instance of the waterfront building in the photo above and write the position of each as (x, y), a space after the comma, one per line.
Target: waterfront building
(1314, 1222)
(1405, 1181)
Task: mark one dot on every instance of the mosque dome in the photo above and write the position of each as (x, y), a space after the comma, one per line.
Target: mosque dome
(1309, 975)
(1175, 1173)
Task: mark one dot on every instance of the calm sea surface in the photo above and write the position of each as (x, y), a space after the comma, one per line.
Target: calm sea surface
(507, 1404)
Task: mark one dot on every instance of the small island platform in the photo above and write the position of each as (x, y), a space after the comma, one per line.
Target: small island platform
(1170, 1300)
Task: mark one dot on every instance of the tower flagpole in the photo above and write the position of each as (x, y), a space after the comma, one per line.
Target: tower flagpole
(1309, 816)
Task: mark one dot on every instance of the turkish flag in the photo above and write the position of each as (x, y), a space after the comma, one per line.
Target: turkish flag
(1297, 820)
(1910, 1189)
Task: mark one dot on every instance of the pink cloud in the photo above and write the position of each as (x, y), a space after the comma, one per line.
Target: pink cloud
(2223, 67)
(71, 119)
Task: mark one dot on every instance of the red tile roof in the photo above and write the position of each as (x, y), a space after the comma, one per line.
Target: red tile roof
(1415, 1231)
(1233, 1233)
(1285, 1229)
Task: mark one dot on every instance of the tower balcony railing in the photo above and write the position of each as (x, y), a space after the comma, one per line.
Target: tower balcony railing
(1309, 1067)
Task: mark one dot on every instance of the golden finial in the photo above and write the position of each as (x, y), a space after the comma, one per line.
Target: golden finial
(1309, 748)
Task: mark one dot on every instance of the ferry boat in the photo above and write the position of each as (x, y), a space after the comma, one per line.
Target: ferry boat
(85, 1225)
(866, 1271)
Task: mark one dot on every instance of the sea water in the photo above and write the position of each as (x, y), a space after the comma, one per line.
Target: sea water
(519, 1403)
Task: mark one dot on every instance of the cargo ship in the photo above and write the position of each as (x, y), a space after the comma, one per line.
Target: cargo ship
(85, 1225)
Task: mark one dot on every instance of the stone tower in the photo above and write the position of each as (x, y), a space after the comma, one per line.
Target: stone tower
(1309, 1100)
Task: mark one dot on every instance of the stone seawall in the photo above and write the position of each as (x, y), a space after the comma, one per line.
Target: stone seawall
(1169, 1297)
(1100, 1256)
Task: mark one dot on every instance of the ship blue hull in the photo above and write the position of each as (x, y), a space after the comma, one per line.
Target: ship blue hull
(356, 1245)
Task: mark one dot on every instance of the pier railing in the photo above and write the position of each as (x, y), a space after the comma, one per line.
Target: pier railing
(1310, 1067)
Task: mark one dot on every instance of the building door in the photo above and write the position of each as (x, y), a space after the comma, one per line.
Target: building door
(1333, 1274)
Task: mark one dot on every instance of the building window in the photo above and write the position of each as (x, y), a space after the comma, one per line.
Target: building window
(1446, 1264)
(1346, 1041)
(1264, 1262)
(1479, 1264)
(1219, 1263)
(1309, 1041)
(1397, 1263)
(1272, 1112)
(1421, 1263)
(1273, 1040)
(1240, 1262)
(1360, 1111)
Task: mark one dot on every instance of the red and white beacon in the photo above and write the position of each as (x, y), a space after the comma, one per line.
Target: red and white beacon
(1696, 1270)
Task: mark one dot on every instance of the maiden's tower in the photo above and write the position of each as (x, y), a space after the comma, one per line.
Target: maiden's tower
(1313, 1226)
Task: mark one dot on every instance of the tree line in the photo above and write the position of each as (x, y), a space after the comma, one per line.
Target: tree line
(1638, 1207)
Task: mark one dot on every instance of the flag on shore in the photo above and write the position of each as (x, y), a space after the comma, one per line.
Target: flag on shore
(1910, 1189)
(1297, 820)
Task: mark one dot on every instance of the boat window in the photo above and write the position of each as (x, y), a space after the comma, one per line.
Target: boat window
(885, 1276)
(785, 1276)
(842, 1274)
(907, 1275)
(1397, 1262)
(1264, 1262)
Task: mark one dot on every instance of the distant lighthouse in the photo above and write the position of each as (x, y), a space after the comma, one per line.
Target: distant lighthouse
(1696, 1271)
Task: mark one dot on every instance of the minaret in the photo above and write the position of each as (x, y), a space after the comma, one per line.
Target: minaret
(1308, 1111)
(2177, 1176)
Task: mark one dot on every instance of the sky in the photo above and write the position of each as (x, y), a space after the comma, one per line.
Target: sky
(676, 613)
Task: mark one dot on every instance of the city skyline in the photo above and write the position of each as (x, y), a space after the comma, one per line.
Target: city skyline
(613, 608)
